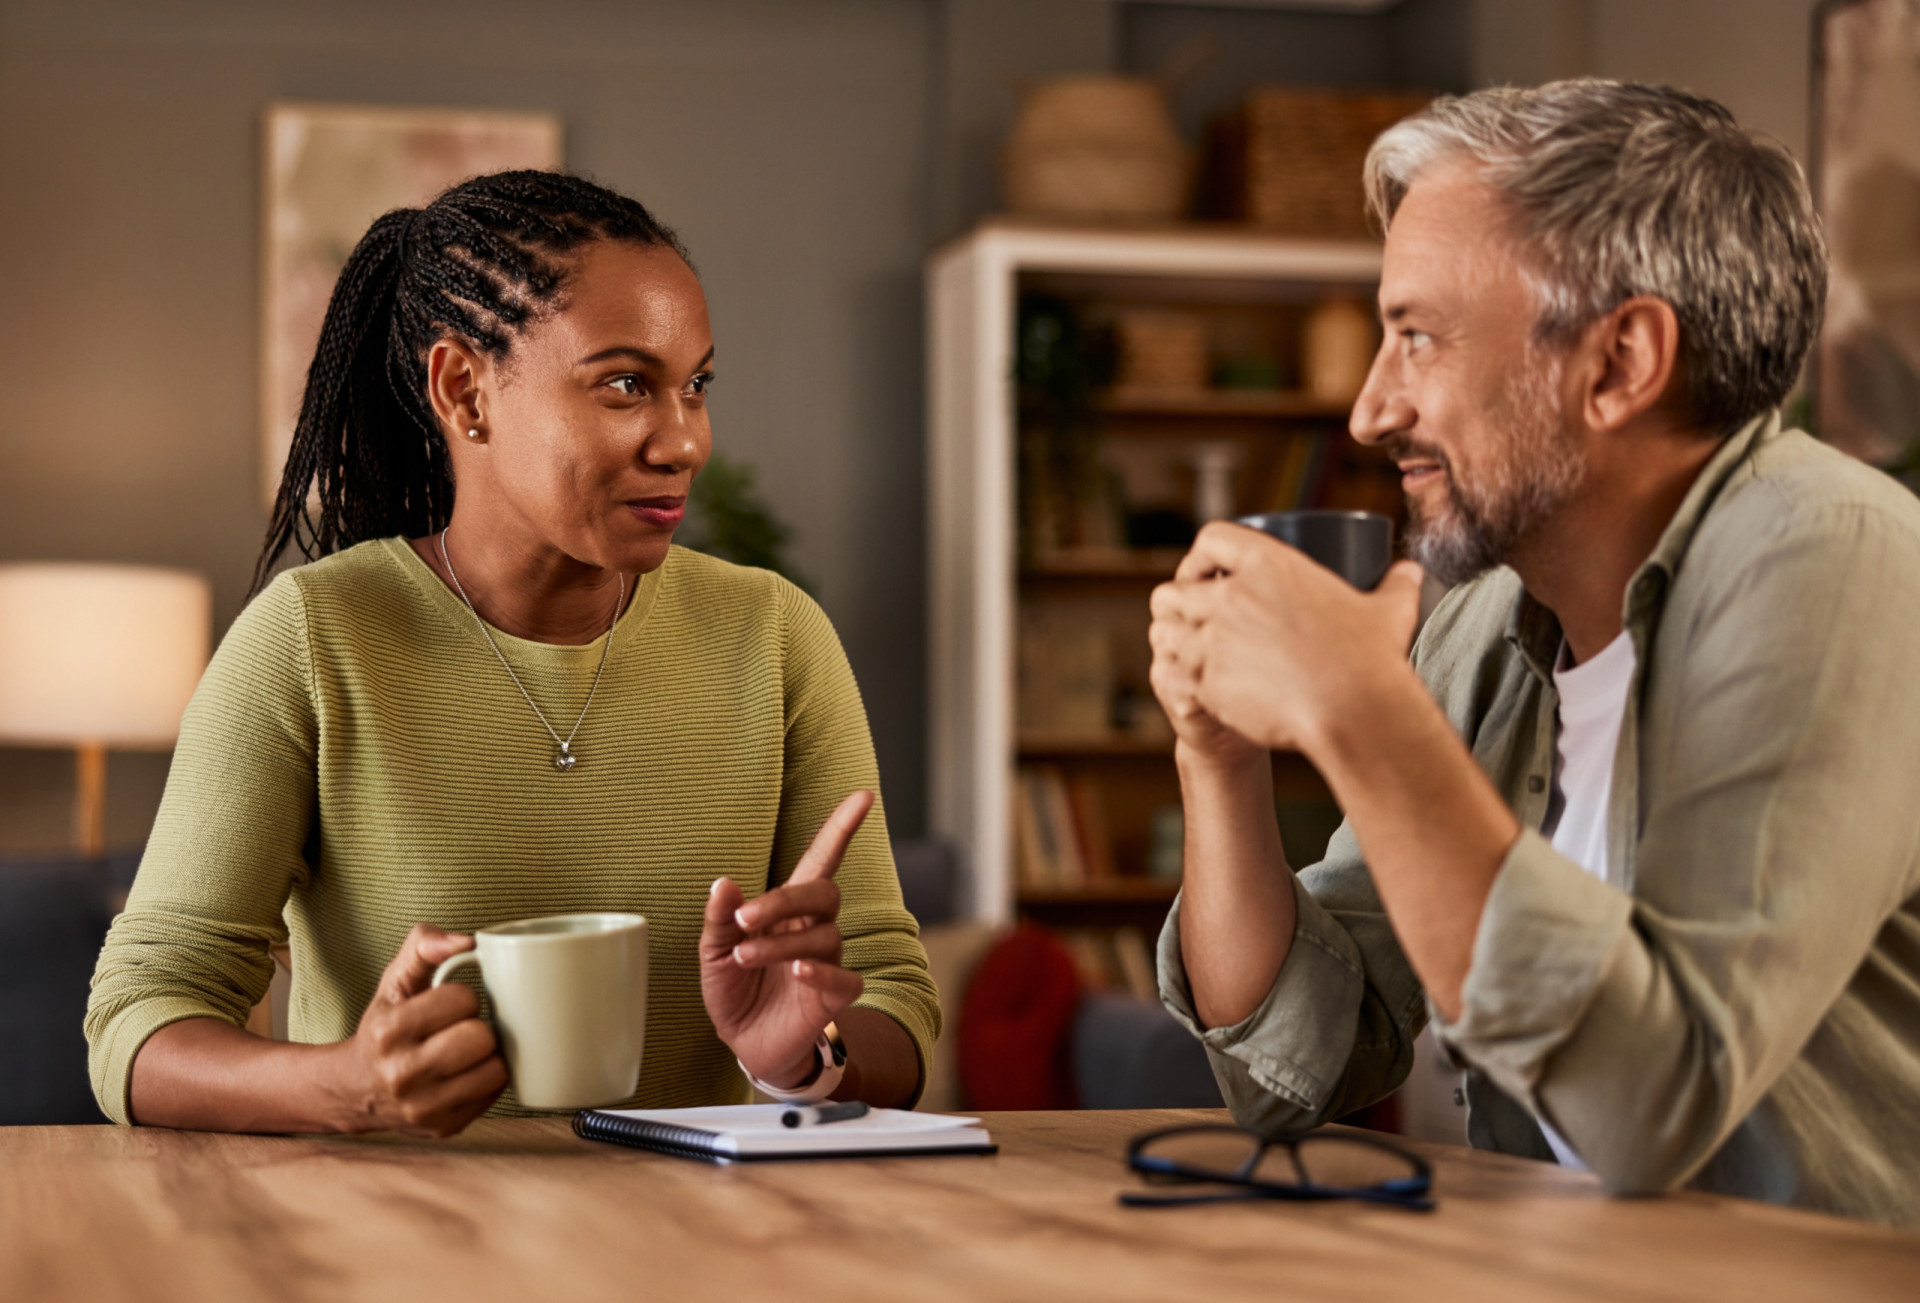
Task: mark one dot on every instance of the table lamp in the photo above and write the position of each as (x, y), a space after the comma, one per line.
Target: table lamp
(98, 656)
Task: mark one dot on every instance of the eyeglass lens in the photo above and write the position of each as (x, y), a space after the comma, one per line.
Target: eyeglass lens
(1329, 1162)
(1336, 1163)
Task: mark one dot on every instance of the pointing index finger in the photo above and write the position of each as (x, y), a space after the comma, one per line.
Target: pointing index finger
(822, 859)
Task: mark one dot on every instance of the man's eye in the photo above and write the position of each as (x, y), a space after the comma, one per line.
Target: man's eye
(700, 383)
(628, 385)
(1416, 339)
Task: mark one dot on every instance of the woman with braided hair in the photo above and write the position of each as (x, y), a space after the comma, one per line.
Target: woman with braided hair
(498, 691)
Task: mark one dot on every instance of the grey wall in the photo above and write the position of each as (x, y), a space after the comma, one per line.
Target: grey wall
(1752, 55)
(787, 141)
(987, 49)
(1417, 44)
(809, 150)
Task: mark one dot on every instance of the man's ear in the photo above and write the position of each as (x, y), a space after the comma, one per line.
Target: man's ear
(454, 381)
(1634, 351)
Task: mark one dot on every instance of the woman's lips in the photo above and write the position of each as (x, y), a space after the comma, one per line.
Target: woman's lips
(661, 513)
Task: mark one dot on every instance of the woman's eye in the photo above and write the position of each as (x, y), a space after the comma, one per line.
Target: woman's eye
(628, 385)
(700, 383)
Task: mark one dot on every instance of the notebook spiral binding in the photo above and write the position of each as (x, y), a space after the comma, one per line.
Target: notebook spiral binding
(662, 1136)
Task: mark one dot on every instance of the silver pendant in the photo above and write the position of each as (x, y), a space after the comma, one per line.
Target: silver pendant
(563, 759)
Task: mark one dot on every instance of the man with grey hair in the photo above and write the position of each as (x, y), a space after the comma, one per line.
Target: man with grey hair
(1637, 828)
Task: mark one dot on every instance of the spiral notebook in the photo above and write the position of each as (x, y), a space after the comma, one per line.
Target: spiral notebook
(752, 1132)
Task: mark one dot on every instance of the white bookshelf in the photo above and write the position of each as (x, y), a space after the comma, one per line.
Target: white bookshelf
(972, 301)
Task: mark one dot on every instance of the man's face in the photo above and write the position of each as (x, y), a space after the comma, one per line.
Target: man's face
(1469, 406)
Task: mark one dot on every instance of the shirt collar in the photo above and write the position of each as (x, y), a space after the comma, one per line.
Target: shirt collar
(1534, 631)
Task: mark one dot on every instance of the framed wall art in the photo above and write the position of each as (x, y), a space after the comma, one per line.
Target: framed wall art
(330, 170)
(1866, 156)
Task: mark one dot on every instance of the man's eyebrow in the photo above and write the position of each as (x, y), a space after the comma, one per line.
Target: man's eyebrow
(639, 355)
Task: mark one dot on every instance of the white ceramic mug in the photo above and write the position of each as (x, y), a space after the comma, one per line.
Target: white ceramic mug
(569, 1000)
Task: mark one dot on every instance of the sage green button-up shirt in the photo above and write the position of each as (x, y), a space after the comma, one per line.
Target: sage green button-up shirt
(1737, 1006)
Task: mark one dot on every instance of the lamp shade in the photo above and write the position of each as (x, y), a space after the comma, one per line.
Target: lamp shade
(99, 654)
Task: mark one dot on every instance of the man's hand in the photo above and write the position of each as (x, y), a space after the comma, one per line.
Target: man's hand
(1254, 639)
(1201, 737)
(421, 1062)
(770, 969)
(1287, 654)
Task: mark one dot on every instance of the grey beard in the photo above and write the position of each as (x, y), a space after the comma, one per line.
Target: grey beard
(1539, 470)
(1454, 549)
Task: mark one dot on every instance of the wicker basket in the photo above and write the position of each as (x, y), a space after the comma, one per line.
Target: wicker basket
(1162, 350)
(1290, 160)
(1097, 148)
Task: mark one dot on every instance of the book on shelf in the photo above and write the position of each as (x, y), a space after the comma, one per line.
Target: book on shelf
(1033, 860)
(1065, 676)
(1113, 959)
(1060, 830)
(1068, 498)
(1090, 826)
(1090, 961)
(1130, 950)
(1290, 484)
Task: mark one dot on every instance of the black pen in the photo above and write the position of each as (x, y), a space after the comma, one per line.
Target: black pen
(814, 1115)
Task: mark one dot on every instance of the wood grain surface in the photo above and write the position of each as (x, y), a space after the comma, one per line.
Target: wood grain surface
(523, 1210)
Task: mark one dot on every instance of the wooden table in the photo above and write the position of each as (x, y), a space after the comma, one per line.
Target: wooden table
(524, 1211)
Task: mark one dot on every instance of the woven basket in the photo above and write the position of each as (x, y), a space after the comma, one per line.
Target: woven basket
(1161, 350)
(1097, 148)
(1290, 160)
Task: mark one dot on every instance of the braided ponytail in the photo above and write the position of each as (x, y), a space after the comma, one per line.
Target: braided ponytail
(479, 263)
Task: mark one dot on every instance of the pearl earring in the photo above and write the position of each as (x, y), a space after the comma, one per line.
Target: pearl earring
(473, 432)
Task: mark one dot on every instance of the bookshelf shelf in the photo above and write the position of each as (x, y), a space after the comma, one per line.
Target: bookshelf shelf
(1113, 891)
(1130, 564)
(1279, 403)
(1058, 746)
(1031, 652)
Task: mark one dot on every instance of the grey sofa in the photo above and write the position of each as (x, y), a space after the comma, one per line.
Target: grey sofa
(54, 914)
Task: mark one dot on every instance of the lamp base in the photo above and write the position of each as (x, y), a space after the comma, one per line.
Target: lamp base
(90, 799)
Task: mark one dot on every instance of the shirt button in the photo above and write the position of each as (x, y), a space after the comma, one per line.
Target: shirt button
(1459, 1097)
(1536, 784)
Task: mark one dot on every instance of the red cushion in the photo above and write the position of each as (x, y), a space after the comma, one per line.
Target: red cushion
(1016, 1025)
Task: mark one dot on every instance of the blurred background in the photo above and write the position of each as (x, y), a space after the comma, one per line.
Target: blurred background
(815, 155)
(810, 151)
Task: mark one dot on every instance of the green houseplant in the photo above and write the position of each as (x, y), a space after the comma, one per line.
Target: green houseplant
(727, 518)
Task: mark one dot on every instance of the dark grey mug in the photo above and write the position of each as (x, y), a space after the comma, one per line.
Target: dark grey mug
(1356, 545)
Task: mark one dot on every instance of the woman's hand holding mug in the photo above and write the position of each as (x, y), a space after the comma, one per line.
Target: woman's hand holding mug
(770, 968)
(421, 1061)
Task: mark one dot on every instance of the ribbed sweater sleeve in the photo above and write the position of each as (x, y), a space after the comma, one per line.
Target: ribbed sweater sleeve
(356, 760)
(226, 849)
(829, 753)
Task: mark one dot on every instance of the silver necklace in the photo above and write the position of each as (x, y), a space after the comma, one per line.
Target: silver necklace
(564, 758)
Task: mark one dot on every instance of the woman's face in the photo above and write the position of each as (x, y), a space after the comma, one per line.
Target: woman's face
(595, 424)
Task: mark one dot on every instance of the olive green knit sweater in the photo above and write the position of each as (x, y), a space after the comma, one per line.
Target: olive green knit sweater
(356, 761)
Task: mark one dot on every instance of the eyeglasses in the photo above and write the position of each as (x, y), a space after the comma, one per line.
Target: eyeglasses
(1241, 1165)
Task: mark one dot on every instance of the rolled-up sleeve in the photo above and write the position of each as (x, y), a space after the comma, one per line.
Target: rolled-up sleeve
(1547, 935)
(1778, 837)
(226, 849)
(829, 754)
(1335, 1032)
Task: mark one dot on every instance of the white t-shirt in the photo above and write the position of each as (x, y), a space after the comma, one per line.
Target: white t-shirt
(1593, 701)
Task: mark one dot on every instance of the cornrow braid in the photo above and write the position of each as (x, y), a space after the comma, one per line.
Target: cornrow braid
(481, 262)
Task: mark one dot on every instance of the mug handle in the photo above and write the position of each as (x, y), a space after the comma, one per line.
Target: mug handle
(445, 970)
